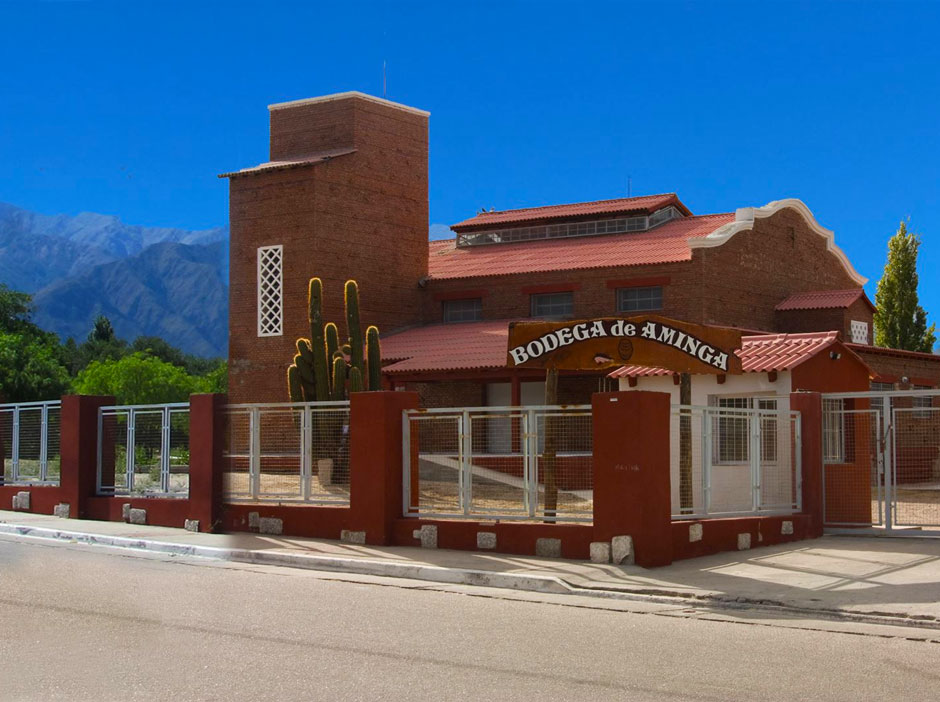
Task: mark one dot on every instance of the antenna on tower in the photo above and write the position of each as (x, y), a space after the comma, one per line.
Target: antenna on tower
(384, 80)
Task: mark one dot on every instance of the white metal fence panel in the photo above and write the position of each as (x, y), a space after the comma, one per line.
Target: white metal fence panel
(523, 463)
(29, 443)
(881, 452)
(285, 452)
(734, 461)
(916, 462)
(144, 450)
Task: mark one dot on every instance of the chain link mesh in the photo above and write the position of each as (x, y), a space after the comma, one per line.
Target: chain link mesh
(739, 458)
(287, 453)
(505, 463)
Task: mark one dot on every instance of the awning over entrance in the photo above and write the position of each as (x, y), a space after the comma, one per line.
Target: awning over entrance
(760, 354)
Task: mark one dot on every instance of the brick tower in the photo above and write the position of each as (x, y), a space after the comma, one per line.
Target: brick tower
(344, 195)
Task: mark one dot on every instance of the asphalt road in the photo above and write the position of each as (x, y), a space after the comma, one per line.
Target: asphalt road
(82, 622)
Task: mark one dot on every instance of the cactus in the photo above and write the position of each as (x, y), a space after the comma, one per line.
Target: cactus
(321, 363)
(339, 379)
(374, 355)
(351, 297)
(323, 368)
(355, 380)
(332, 341)
(294, 387)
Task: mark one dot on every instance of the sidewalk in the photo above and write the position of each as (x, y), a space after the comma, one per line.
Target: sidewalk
(891, 580)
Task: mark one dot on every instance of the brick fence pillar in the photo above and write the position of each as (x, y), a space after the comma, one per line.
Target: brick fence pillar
(631, 472)
(375, 439)
(809, 405)
(206, 462)
(78, 450)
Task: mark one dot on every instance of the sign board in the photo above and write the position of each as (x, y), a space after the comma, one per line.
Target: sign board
(611, 342)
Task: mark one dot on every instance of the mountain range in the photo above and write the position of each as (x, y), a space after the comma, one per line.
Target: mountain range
(152, 281)
(156, 281)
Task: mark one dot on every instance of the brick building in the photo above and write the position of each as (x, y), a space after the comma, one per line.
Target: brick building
(345, 195)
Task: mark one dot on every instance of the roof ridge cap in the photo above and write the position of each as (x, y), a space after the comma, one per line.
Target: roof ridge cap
(583, 202)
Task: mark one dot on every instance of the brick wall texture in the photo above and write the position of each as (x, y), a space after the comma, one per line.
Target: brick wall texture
(362, 216)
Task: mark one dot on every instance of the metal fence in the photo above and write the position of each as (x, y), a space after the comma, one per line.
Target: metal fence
(286, 452)
(734, 461)
(881, 459)
(144, 450)
(29, 443)
(523, 463)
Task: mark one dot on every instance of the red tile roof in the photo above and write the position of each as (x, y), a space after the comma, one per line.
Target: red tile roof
(823, 299)
(482, 345)
(448, 347)
(664, 244)
(760, 354)
(646, 203)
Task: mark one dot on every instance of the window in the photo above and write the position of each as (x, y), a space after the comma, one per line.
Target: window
(270, 290)
(636, 299)
(732, 430)
(833, 431)
(470, 310)
(619, 225)
(560, 305)
(859, 332)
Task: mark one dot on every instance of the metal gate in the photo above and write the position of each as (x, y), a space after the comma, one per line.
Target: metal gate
(881, 459)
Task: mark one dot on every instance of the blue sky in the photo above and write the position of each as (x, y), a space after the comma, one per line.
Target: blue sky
(133, 108)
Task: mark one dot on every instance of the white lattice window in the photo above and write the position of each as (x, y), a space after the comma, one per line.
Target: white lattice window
(859, 332)
(270, 290)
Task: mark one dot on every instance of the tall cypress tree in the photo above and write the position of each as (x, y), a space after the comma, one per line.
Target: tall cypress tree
(900, 321)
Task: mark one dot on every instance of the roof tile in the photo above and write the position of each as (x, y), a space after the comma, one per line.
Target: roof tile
(664, 244)
(823, 299)
(759, 354)
(479, 345)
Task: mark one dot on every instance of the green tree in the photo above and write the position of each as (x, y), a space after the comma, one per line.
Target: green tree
(216, 380)
(102, 344)
(30, 369)
(15, 310)
(137, 379)
(900, 321)
(31, 360)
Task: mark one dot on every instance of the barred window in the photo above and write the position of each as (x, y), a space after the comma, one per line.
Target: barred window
(270, 290)
(636, 299)
(470, 310)
(732, 432)
(558, 305)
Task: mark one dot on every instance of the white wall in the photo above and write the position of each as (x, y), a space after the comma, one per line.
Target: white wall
(731, 483)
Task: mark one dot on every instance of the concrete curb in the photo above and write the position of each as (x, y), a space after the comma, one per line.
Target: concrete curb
(359, 566)
(545, 584)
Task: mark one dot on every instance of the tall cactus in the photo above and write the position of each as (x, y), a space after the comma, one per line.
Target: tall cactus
(351, 297)
(374, 354)
(355, 380)
(294, 387)
(339, 379)
(321, 362)
(332, 341)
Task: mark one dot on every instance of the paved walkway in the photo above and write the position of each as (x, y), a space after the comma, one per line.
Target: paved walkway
(896, 579)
